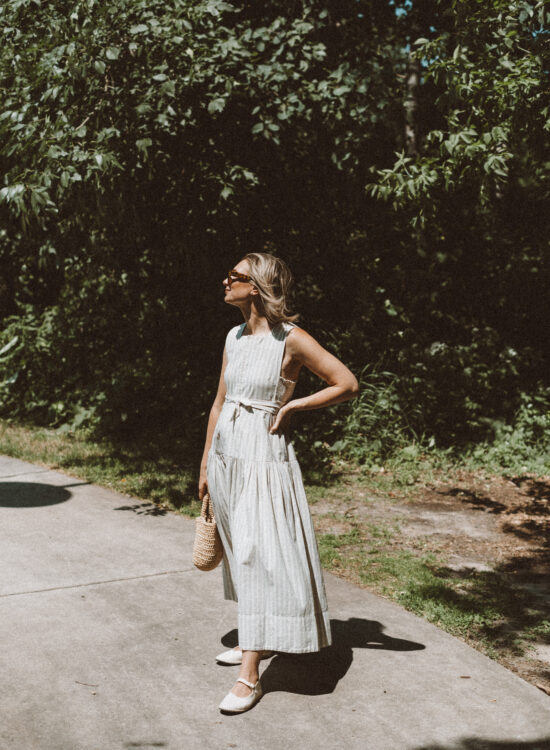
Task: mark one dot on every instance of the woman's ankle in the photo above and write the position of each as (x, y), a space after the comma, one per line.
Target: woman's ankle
(252, 677)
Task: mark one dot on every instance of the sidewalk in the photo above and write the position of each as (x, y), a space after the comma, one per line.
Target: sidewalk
(108, 636)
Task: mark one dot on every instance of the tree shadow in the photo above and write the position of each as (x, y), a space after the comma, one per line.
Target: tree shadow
(477, 743)
(34, 494)
(145, 509)
(480, 502)
(538, 489)
(160, 461)
(533, 504)
(535, 507)
(506, 606)
(530, 530)
(319, 672)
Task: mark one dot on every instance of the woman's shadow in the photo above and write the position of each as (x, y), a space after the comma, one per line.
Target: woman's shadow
(319, 672)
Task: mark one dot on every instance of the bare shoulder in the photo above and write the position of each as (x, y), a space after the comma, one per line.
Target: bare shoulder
(304, 349)
(299, 341)
(307, 351)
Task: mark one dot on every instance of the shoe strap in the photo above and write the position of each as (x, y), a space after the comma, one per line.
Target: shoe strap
(246, 682)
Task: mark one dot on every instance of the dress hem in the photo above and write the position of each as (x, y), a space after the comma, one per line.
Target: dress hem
(299, 635)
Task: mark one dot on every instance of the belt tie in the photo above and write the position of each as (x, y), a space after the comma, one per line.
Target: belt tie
(270, 406)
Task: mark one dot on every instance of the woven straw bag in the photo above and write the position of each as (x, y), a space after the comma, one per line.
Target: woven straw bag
(208, 549)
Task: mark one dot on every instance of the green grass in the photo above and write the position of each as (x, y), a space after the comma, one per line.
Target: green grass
(333, 546)
(156, 471)
(504, 457)
(483, 608)
(415, 464)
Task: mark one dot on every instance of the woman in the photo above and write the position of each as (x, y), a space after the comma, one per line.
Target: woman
(271, 561)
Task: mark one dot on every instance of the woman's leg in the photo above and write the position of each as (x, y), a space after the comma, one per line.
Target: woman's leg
(248, 671)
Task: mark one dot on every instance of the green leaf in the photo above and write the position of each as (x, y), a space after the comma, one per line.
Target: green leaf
(168, 88)
(6, 348)
(143, 144)
(390, 309)
(216, 105)
(112, 53)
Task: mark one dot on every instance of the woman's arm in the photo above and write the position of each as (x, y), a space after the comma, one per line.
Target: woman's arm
(212, 420)
(342, 383)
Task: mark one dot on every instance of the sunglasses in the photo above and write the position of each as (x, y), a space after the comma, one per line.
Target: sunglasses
(236, 276)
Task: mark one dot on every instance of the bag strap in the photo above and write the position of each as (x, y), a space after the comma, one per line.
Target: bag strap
(206, 510)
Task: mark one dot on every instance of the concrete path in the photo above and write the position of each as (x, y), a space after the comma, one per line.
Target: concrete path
(108, 636)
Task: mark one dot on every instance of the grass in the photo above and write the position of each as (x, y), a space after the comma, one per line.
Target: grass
(156, 471)
(483, 608)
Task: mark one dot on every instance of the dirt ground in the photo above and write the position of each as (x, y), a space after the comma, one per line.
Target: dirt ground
(481, 525)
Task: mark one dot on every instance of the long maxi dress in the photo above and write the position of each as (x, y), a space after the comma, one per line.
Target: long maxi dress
(271, 563)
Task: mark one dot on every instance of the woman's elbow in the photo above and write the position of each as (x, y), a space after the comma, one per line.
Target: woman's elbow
(352, 388)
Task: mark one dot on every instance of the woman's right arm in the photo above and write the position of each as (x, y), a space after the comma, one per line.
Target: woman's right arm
(212, 420)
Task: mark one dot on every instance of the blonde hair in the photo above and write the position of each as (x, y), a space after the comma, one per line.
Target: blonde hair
(274, 281)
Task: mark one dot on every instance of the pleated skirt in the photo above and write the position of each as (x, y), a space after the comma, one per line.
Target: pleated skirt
(271, 564)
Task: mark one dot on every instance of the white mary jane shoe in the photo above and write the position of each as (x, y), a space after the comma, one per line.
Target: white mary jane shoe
(235, 656)
(235, 704)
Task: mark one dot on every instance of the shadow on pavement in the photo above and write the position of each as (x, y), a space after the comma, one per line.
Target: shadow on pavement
(147, 509)
(33, 495)
(476, 743)
(319, 672)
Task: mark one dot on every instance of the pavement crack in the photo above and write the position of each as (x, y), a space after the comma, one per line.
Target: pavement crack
(97, 583)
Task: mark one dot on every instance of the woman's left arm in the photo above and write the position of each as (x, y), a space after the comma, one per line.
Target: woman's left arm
(342, 383)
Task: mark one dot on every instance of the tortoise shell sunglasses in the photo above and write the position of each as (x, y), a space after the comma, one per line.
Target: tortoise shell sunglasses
(236, 276)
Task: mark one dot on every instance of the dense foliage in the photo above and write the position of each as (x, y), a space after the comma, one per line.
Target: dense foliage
(145, 145)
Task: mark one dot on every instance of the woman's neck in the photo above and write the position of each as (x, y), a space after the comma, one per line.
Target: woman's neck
(256, 325)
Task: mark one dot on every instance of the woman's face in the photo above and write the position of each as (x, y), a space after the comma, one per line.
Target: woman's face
(238, 291)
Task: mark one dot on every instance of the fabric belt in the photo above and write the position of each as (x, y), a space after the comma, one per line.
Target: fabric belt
(270, 406)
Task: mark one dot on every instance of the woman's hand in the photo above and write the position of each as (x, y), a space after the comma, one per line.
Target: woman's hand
(203, 484)
(282, 418)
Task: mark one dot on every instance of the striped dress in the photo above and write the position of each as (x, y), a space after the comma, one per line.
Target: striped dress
(271, 562)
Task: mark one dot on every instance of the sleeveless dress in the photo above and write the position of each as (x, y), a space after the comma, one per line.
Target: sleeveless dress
(271, 563)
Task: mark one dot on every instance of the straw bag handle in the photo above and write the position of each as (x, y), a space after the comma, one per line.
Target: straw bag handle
(206, 511)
